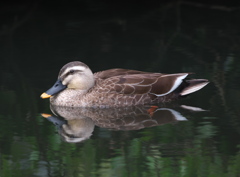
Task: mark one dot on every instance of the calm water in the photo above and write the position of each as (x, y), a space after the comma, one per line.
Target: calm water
(196, 136)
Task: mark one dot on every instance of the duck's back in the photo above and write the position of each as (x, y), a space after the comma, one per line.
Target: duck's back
(116, 72)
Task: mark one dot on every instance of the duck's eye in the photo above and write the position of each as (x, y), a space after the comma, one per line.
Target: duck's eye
(71, 71)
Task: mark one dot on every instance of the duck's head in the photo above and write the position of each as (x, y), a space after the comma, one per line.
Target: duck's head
(73, 75)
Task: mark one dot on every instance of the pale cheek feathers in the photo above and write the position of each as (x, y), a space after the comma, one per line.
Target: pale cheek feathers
(75, 83)
(71, 81)
(66, 81)
(78, 83)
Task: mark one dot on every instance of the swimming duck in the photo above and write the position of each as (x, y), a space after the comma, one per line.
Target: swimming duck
(77, 86)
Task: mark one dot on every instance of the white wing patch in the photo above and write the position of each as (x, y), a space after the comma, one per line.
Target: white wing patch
(178, 81)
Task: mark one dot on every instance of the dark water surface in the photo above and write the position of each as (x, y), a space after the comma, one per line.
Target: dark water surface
(196, 136)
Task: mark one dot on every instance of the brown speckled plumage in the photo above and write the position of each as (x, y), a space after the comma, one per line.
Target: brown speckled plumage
(120, 87)
(121, 118)
(76, 124)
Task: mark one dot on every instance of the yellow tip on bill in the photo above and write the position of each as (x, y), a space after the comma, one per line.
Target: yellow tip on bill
(46, 115)
(44, 95)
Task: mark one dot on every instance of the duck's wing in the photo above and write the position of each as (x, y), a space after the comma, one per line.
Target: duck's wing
(144, 83)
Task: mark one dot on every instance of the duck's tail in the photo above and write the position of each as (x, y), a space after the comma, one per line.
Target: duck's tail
(193, 86)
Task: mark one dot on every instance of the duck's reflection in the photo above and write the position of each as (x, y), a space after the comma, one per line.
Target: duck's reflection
(77, 124)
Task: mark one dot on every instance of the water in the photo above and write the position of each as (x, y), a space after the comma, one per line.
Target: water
(176, 140)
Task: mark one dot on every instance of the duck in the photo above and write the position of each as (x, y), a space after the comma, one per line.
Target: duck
(78, 86)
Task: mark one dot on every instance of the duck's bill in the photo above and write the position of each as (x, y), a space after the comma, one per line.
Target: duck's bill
(46, 115)
(54, 119)
(56, 88)
(44, 95)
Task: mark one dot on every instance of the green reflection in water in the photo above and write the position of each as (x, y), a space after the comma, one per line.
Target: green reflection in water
(184, 149)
